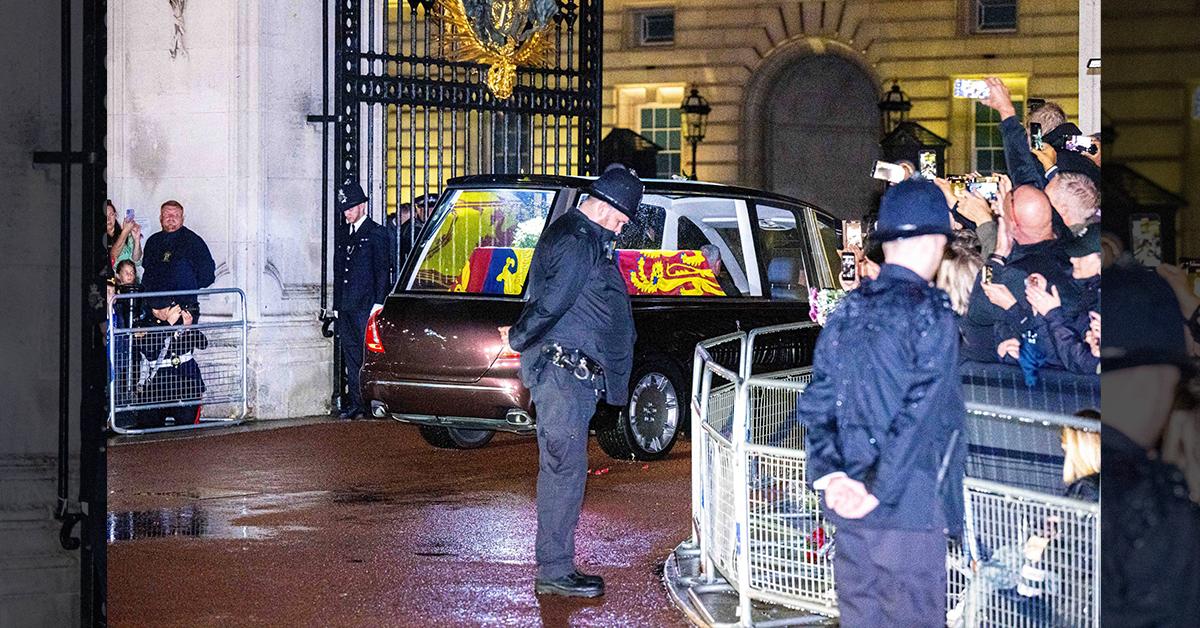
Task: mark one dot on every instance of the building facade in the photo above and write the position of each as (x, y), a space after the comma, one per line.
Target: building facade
(794, 86)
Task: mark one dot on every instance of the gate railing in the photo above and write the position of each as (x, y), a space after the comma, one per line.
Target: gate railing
(193, 374)
(761, 528)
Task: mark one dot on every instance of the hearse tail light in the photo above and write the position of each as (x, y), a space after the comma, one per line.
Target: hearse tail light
(374, 344)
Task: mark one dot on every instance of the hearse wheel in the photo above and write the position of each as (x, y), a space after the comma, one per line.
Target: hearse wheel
(647, 427)
(455, 437)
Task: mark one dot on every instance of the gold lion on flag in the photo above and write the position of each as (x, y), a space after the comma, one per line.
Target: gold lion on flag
(683, 273)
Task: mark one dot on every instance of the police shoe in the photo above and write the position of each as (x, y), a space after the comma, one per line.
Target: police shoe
(574, 584)
(350, 415)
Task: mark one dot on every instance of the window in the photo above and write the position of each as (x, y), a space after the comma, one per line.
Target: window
(782, 248)
(988, 146)
(661, 124)
(992, 16)
(482, 242)
(685, 247)
(655, 28)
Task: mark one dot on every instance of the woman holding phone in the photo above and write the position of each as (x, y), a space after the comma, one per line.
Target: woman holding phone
(126, 243)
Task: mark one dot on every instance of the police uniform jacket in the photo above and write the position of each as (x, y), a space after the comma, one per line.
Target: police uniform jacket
(577, 298)
(885, 403)
(361, 268)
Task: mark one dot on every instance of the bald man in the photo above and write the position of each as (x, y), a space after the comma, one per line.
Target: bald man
(1000, 311)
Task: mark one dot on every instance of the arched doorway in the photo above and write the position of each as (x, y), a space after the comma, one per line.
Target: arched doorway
(813, 126)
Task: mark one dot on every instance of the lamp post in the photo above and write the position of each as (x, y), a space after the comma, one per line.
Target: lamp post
(695, 112)
(894, 106)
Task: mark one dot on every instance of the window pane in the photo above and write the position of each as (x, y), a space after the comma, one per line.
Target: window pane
(697, 260)
(660, 117)
(673, 140)
(994, 15)
(983, 161)
(477, 237)
(782, 251)
(673, 117)
(657, 27)
(647, 118)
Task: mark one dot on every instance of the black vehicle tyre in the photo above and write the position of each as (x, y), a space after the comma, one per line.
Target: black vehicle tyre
(658, 406)
(454, 437)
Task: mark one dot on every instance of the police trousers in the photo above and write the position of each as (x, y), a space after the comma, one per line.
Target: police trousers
(352, 333)
(890, 577)
(564, 407)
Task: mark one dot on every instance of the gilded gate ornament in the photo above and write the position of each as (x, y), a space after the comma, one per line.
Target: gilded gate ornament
(502, 34)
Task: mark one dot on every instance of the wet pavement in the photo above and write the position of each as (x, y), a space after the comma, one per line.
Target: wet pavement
(363, 524)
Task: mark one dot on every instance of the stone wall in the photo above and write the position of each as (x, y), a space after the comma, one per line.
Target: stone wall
(220, 126)
(720, 47)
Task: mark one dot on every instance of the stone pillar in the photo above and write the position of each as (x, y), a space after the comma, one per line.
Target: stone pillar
(1089, 79)
(216, 120)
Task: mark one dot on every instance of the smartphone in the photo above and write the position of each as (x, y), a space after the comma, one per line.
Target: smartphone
(129, 214)
(887, 171)
(971, 88)
(958, 184)
(1080, 144)
(928, 164)
(987, 274)
(1035, 136)
(852, 234)
(849, 267)
(988, 188)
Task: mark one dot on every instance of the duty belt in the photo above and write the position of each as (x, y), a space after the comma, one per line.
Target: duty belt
(577, 363)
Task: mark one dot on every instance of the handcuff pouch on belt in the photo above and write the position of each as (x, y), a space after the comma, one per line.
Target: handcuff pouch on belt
(577, 363)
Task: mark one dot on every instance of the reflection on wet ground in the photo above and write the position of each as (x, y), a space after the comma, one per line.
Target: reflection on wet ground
(189, 521)
(363, 524)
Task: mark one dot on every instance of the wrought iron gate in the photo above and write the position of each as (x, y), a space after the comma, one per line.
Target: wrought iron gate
(408, 116)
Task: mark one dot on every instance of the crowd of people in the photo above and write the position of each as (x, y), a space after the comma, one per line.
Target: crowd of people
(1022, 268)
(156, 364)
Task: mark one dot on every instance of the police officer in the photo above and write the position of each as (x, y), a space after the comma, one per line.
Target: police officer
(360, 283)
(576, 338)
(884, 416)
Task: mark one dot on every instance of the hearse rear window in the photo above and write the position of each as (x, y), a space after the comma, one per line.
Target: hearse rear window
(483, 242)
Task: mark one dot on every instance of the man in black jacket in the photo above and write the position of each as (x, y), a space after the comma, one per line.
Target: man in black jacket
(176, 258)
(884, 418)
(361, 282)
(576, 339)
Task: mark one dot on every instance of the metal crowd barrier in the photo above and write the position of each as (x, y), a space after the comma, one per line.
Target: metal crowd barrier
(1054, 390)
(761, 528)
(179, 376)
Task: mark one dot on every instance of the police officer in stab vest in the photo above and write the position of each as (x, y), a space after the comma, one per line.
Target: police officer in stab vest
(360, 283)
(884, 416)
(576, 338)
